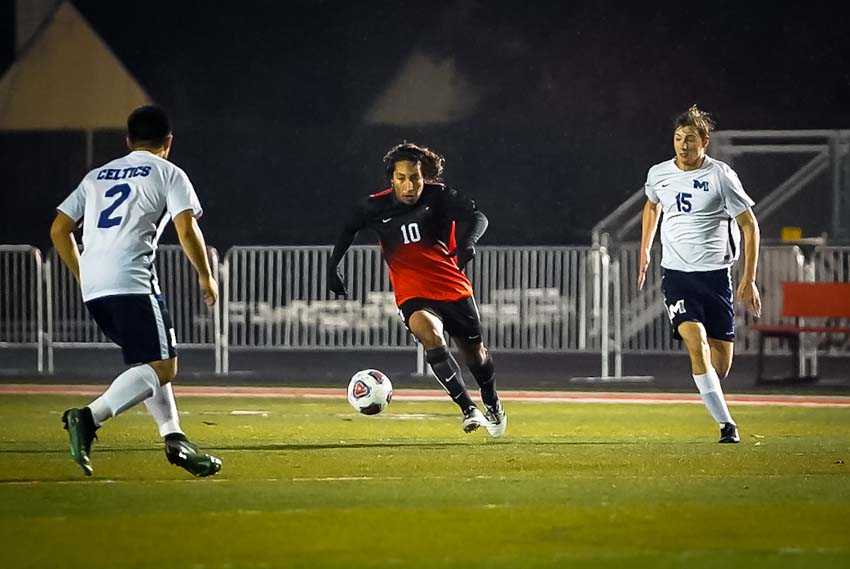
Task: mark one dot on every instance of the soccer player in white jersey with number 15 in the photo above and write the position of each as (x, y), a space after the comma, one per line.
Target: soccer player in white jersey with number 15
(704, 205)
(125, 206)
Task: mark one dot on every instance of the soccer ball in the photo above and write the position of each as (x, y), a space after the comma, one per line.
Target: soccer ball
(369, 391)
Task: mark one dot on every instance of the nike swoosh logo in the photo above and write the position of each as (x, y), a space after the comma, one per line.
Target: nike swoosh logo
(664, 185)
(386, 220)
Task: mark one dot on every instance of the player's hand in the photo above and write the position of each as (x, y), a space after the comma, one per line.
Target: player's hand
(335, 282)
(464, 255)
(748, 293)
(209, 289)
(643, 266)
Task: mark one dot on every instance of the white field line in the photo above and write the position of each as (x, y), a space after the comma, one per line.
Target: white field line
(437, 395)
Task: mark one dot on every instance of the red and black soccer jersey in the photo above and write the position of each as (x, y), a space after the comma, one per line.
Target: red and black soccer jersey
(418, 241)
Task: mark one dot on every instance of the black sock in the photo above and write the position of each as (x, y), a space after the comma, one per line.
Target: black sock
(483, 374)
(448, 374)
(88, 418)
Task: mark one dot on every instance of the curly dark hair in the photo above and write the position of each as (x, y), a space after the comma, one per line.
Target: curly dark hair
(697, 118)
(430, 162)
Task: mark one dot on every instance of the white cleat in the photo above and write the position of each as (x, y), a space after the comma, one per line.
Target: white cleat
(497, 420)
(472, 419)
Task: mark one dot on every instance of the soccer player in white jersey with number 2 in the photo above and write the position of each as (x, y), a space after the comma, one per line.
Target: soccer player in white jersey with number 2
(125, 205)
(704, 205)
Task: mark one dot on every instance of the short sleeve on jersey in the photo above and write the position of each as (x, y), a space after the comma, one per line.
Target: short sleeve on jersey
(74, 206)
(649, 188)
(735, 199)
(181, 195)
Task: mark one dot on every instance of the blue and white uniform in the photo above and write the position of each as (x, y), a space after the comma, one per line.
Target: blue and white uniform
(125, 205)
(700, 241)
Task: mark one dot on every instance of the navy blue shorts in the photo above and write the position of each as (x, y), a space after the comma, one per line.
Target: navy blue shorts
(460, 317)
(700, 296)
(139, 323)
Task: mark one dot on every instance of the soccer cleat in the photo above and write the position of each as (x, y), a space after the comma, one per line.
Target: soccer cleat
(729, 433)
(497, 420)
(189, 457)
(472, 419)
(81, 433)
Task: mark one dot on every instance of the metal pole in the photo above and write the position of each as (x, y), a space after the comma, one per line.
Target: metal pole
(605, 261)
(216, 310)
(224, 341)
(618, 319)
(39, 308)
(48, 296)
(838, 230)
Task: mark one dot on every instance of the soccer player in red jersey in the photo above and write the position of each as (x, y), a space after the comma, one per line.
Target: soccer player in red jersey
(416, 219)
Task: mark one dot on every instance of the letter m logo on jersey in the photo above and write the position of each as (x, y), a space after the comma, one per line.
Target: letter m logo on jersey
(701, 185)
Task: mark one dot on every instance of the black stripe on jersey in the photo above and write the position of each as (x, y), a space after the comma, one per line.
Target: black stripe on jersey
(731, 238)
(152, 267)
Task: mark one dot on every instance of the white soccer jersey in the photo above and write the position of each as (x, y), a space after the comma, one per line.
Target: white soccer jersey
(698, 230)
(125, 205)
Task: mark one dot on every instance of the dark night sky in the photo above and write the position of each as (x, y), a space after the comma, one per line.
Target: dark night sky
(575, 100)
(757, 64)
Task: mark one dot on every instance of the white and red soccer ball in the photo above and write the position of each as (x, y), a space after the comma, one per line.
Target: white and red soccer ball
(370, 391)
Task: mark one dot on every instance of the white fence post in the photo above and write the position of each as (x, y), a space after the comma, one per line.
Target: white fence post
(21, 298)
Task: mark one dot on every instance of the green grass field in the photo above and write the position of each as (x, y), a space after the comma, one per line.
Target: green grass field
(311, 484)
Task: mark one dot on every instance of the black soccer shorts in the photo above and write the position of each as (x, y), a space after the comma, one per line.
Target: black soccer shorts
(460, 317)
(139, 323)
(700, 296)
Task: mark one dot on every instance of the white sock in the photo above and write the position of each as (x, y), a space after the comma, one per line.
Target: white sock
(131, 387)
(708, 385)
(163, 409)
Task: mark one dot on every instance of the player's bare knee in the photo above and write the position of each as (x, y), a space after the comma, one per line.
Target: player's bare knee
(428, 330)
(166, 370)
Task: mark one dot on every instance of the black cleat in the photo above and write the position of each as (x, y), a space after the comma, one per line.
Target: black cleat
(81, 433)
(729, 433)
(189, 457)
(497, 420)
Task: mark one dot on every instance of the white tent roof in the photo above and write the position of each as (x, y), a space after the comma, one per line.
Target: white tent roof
(425, 91)
(68, 78)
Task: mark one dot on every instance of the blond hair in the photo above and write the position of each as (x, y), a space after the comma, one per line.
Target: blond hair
(698, 119)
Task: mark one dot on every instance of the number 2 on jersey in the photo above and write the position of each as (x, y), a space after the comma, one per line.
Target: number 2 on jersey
(123, 192)
(683, 201)
(410, 233)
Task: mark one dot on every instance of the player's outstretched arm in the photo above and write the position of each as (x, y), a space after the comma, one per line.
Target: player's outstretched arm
(192, 242)
(748, 291)
(649, 225)
(336, 284)
(62, 236)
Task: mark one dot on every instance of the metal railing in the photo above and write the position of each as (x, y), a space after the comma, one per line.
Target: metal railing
(640, 321)
(70, 326)
(21, 297)
(530, 299)
(829, 151)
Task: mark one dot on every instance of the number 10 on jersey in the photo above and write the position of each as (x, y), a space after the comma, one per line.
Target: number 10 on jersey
(410, 233)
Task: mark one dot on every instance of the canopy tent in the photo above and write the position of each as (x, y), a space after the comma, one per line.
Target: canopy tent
(67, 78)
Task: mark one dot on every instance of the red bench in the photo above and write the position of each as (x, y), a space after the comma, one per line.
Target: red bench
(804, 300)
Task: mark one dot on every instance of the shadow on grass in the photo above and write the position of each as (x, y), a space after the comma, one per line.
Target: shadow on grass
(276, 447)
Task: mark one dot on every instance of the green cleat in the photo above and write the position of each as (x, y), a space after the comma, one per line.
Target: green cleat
(81, 433)
(188, 456)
